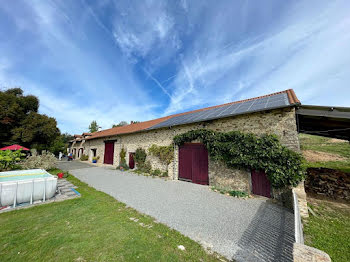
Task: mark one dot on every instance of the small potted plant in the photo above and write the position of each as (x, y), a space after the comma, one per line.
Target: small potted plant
(94, 159)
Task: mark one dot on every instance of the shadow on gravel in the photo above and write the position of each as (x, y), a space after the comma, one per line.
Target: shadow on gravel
(269, 237)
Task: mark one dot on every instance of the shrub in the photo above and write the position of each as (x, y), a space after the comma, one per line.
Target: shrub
(145, 167)
(123, 166)
(235, 193)
(140, 156)
(282, 166)
(122, 156)
(45, 161)
(156, 172)
(8, 159)
(165, 174)
(84, 158)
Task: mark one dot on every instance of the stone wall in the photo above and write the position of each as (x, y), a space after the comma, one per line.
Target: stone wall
(328, 182)
(223, 177)
(281, 122)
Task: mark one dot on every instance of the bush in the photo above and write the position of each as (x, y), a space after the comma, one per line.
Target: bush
(123, 166)
(234, 193)
(8, 159)
(145, 167)
(282, 166)
(140, 156)
(84, 158)
(45, 161)
(165, 174)
(156, 172)
(122, 156)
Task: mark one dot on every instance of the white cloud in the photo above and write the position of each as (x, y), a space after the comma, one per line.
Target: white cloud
(146, 29)
(305, 50)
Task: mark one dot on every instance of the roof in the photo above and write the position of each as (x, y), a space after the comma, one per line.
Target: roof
(281, 99)
(328, 121)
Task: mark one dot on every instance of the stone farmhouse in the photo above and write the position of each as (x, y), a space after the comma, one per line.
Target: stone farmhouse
(273, 114)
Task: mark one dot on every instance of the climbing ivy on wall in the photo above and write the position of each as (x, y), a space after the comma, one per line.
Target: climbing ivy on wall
(282, 166)
(164, 153)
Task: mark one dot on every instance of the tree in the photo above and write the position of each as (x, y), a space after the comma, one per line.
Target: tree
(121, 123)
(36, 129)
(14, 108)
(20, 122)
(93, 127)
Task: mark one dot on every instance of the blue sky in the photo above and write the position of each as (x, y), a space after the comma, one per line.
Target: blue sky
(137, 60)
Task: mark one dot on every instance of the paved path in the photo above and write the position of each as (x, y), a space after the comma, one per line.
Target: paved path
(71, 165)
(245, 230)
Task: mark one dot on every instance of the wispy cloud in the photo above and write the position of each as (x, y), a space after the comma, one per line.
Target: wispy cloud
(135, 60)
(282, 56)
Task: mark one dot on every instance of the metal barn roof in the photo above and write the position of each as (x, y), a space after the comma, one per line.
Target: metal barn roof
(281, 99)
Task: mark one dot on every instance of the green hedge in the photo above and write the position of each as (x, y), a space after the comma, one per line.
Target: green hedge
(282, 166)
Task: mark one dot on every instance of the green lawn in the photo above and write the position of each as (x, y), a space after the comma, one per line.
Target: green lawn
(94, 227)
(324, 144)
(330, 230)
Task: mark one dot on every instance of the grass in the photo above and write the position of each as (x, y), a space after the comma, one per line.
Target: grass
(94, 227)
(330, 230)
(234, 193)
(324, 144)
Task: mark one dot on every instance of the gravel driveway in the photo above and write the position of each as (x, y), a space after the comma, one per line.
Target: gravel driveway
(244, 230)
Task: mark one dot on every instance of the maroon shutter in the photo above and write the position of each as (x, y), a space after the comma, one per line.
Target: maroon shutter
(193, 163)
(109, 152)
(185, 163)
(200, 165)
(260, 184)
(131, 161)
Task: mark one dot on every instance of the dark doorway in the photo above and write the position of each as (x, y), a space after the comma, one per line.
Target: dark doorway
(109, 152)
(260, 184)
(94, 152)
(131, 160)
(193, 163)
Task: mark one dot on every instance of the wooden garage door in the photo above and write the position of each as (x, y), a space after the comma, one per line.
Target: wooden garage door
(260, 184)
(193, 163)
(109, 152)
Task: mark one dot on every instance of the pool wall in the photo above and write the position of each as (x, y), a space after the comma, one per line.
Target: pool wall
(23, 189)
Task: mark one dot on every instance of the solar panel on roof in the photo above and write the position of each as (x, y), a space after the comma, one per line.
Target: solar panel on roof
(259, 104)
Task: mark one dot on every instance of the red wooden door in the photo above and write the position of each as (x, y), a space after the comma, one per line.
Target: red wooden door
(131, 161)
(260, 184)
(193, 163)
(109, 152)
(185, 163)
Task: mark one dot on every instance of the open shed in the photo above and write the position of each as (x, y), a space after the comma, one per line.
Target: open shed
(324, 121)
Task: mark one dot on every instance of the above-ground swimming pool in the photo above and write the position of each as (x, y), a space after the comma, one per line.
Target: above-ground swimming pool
(23, 186)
